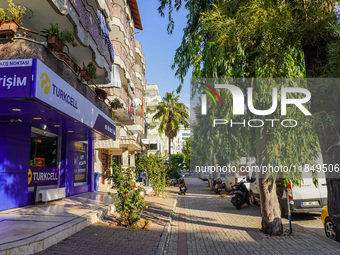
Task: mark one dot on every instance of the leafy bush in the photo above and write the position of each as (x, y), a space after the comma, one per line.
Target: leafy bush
(13, 12)
(155, 172)
(129, 201)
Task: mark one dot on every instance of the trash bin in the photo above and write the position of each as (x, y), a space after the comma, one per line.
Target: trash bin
(192, 175)
(96, 181)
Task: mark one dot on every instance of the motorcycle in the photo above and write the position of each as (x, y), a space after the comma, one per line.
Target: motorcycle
(218, 186)
(182, 189)
(239, 195)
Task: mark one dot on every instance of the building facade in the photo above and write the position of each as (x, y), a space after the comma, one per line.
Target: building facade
(125, 90)
(154, 142)
(50, 116)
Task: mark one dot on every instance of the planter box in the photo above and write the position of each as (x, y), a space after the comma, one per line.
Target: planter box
(9, 28)
(55, 42)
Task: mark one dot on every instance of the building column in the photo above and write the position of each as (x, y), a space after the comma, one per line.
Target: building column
(125, 159)
(132, 159)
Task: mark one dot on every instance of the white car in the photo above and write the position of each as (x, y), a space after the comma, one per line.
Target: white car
(306, 198)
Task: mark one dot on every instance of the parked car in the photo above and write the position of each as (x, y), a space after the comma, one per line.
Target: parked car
(205, 176)
(306, 198)
(330, 230)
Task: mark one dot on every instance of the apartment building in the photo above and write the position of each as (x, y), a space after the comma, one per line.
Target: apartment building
(178, 142)
(125, 90)
(154, 142)
(50, 114)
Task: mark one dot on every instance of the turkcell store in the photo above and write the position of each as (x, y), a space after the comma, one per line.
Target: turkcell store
(47, 132)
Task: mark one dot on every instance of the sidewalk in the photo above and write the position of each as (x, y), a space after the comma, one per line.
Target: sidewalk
(204, 223)
(100, 238)
(33, 228)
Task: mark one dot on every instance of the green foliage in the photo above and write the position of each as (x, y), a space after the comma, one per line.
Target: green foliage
(64, 36)
(129, 202)
(155, 172)
(116, 104)
(91, 70)
(171, 114)
(13, 12)
(177, 160)
(186, 152)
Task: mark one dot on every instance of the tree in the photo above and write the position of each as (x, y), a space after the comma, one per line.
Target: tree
(186, 153)
(268, 39)
(177, 160)
(171, 114)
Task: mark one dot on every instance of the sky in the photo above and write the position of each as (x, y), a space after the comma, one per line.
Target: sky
(159, 48)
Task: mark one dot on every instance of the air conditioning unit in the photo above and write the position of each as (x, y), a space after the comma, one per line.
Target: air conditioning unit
(44, 195)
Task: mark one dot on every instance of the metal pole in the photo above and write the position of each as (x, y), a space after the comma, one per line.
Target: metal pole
(289, 213)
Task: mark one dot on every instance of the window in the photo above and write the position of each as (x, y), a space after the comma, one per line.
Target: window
(44, 147)
(80, 162)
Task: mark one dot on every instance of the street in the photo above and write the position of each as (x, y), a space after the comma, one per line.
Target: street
(204, 223)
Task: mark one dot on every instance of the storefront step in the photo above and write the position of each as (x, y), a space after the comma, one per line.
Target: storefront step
(32, 229)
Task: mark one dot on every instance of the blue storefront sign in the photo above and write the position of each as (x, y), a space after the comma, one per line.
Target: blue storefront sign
(15, 78)
(43, 176)
(53, 90)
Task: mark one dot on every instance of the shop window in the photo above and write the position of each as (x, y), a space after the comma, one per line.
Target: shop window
(44, 147)
(80, 162)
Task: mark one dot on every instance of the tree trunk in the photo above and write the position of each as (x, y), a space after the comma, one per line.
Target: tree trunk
(270, 208)
(170, 152)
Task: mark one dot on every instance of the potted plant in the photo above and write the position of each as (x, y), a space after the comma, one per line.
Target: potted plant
(91, 70)
(11, 19)
(101, 94)
(56, 39)
(83, 73)
(116, 104)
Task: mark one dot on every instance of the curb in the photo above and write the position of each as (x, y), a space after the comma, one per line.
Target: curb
(44, 240)
(161, 244)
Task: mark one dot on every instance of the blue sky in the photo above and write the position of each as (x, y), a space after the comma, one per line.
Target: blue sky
(159, 48)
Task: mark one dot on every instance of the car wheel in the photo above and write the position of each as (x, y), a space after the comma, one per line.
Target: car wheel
(331, 231)
(252, 198)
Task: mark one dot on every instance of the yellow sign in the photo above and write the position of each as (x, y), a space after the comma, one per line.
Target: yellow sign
(30, 176)
(45, 81)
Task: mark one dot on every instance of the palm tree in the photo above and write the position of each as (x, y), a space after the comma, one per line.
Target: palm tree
(171, 114)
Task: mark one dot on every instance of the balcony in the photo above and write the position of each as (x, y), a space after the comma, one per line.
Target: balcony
(89, 44)
(140, 81)
(120, 31)
(20, 48)
(124, 63)
(125, 114)
(140, 54)
(138, 125)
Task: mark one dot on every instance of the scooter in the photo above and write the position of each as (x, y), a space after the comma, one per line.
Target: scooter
(218, 186)
(182, 189)
(239, 195)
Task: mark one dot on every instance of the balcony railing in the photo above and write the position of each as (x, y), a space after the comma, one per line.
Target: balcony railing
(91, 25)
(119, 52)
(118, 12)
(139, 50)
